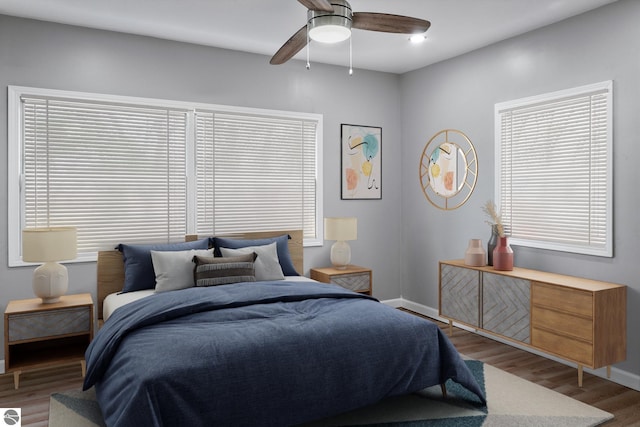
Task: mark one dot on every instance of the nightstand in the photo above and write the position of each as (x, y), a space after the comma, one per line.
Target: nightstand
(40, 335)
(357, 279)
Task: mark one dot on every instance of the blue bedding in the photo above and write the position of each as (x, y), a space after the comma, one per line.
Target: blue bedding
(261, 354)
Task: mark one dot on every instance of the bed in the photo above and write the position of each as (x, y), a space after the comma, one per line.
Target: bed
(257, 353)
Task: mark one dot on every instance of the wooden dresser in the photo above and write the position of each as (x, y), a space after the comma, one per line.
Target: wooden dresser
(579, 320)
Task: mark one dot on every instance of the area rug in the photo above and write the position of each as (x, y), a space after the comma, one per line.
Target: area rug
(511, 401)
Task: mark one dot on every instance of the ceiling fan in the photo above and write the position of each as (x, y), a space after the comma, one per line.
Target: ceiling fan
(331, 21)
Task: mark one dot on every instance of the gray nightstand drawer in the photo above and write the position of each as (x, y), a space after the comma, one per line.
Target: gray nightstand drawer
(49, 323)
(353, 281)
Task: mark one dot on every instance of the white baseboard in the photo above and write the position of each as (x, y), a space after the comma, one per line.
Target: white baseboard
(618, 376)
(395, 303)
(2, 366)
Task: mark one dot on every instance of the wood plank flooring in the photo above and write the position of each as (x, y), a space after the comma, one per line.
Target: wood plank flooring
(624, 403)
(35, 389)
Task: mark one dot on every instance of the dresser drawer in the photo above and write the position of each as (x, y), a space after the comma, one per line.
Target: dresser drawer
(561, 299)
(569, 348)
(47, 324)
(562, 323)
(358, 282)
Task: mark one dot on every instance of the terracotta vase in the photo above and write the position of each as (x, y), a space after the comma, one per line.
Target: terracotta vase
(475, 255)
(491, 244)
(503, 255)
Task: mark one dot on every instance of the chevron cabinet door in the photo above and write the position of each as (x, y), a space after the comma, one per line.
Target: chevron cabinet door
(506, 306)
(460, 294)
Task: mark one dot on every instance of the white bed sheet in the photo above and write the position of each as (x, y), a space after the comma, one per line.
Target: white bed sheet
(116, 300)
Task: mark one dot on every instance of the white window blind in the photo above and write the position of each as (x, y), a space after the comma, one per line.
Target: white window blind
(138, 170)
(258, 168)
(109, 170)
(554, 160)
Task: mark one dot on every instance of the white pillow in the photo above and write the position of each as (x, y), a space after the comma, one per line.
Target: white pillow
(267, 264)
(174, 269)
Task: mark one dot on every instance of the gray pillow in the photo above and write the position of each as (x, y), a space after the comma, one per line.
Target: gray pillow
(211, 271)
(267, 263)
(174, 269)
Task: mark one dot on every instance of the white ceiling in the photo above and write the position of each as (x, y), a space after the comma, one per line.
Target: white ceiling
(262, 26)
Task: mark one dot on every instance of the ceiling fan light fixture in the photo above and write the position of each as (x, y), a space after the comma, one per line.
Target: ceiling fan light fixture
(330, 27)
(330, 33)
(417, 38)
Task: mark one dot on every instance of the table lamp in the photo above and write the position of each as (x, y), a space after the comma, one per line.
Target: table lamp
(340, 229)
(49, 245)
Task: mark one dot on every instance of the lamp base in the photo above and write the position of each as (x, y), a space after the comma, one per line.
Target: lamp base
(50, 282)
(340, 254)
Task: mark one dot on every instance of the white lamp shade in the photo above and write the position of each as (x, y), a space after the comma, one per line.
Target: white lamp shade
(341, 228)
(49, 244)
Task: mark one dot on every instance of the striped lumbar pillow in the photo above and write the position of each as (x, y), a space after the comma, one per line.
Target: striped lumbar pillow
(213, 271)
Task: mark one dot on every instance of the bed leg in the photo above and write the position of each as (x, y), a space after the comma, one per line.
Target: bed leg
(443, 387)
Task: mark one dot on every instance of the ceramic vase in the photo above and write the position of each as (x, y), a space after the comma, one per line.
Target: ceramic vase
(491, 244)
(475, 255)
(503, 255)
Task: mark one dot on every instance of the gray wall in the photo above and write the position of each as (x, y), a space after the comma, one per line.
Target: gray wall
(402, 236)
(47, 55)
(461, 93)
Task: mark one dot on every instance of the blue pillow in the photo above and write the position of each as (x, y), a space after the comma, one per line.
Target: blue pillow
(138, 266)
(282, 245)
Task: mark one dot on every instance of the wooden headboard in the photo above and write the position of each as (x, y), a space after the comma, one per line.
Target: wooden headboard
(111, 265)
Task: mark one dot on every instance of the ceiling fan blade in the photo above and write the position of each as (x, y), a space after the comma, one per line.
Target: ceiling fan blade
(290, 47)
(388, 23)
(318, 5)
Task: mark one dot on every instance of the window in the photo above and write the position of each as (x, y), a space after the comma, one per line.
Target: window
(554, 170)
(136, 170)
(255, 167)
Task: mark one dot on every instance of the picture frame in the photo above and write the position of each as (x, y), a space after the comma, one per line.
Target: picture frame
(361, 162)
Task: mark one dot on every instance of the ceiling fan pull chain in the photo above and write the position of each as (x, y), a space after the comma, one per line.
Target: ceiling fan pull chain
(308, 43)
(350, 57)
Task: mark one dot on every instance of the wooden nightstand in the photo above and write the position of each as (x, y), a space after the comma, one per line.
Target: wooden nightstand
(357, 279)
(40, 335)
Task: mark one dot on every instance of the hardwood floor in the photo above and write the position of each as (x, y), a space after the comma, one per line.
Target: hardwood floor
(35, 389)
(624, 403)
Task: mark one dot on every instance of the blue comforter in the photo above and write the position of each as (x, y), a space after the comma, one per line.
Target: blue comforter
(262, 353)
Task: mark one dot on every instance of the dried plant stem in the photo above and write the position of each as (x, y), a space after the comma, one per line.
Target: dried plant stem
(490, 209)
